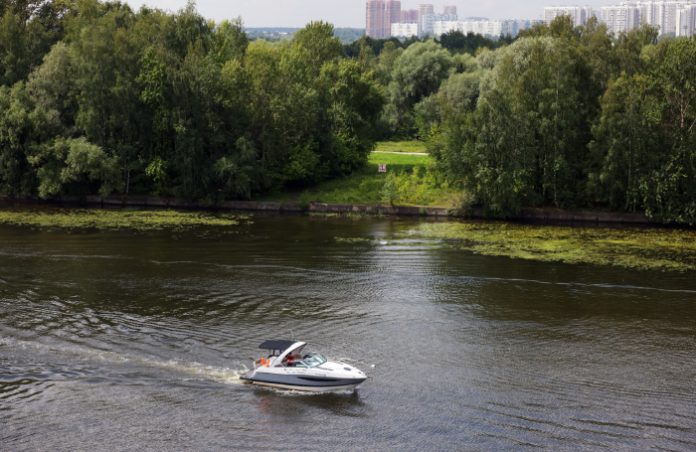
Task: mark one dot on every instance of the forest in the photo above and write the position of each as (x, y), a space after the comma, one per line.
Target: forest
(96, 98)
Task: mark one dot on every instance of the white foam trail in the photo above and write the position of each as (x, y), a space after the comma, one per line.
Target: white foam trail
(219, 374)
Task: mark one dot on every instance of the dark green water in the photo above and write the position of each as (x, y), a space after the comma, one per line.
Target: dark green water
(135, 341)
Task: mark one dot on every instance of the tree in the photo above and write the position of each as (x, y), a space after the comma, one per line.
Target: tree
(417, 73)
(53, 89)
(74, 163)
(626, 137)
(457, 94)
(317, 44)
(354, 107)
(16, 133)
(672, 66)
(629, 47)
(524, 144)
(647, 132)
(456, 41)
(28, 29)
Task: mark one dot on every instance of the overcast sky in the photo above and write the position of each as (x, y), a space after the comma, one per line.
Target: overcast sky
(350, 13)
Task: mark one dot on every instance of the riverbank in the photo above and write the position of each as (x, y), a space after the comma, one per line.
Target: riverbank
(407, 180)
(538, 215)
(408, 188)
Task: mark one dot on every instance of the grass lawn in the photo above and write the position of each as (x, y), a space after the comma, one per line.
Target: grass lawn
(399, 161)
(416, 182)
(401, 146)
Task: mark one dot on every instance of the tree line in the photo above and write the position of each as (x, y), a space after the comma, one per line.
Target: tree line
(569, 117)
(98, 98)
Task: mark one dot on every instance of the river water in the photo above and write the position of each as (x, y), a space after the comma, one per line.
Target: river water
(135, 341)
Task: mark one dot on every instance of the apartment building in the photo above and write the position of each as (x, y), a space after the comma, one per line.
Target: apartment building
(380, 15)
(404, 30)
(686, 21)
(482, 26)
(579, 14)
(670, 17)
(620, 18)
(409, 16)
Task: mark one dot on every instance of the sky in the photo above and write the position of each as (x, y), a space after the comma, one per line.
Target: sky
(351, 13)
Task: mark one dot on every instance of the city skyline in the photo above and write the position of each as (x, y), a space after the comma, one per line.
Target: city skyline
(349, 13)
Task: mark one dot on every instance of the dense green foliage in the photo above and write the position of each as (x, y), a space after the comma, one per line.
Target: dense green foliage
(456, 41)
(410, 180)
(571, 117)
(97, 98)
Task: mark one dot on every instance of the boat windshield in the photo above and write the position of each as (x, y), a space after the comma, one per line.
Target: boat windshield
(314, 360)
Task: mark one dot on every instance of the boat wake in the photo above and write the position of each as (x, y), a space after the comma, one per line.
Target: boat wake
(186, 370)
(224, 375)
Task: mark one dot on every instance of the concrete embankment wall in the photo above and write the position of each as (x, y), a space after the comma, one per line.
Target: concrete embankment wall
(538, 215)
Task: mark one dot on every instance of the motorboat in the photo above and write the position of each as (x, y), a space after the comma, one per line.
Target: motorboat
(286, 366)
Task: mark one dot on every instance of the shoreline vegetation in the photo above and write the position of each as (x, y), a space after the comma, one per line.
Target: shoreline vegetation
(141, 220)
(410, 187)
(99, 99)
(632, 248)
(410, 180)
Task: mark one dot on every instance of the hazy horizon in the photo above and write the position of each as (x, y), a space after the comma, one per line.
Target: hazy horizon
(347, 13)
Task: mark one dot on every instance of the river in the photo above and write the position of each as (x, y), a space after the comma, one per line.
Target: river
(135, 341)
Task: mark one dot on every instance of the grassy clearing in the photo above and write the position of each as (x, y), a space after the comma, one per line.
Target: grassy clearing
(138, 220)
(646, 249)
(399, 161)
(416, 185)
(401, 146)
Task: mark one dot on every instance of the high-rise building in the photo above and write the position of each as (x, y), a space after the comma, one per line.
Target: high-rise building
(661, 14)
(393, 14)
(425, 9)
(621, 18)
(450, 11)
(579, 14)
(404, 30)
(670, 17)
(426, 19)
(375, 19)
(513, 27)
(409, 16)
(442, 27)
(482, 26)
(686, 21)
(394, 8)
(381, 14)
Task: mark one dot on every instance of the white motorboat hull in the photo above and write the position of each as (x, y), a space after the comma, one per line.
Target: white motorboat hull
(314, 373)
(298, 380)
(315, 389)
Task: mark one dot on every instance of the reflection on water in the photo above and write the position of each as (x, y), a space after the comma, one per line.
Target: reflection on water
(131, 341)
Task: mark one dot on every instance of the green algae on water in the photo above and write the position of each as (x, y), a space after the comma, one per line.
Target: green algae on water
(644, 249)
(126, 219)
